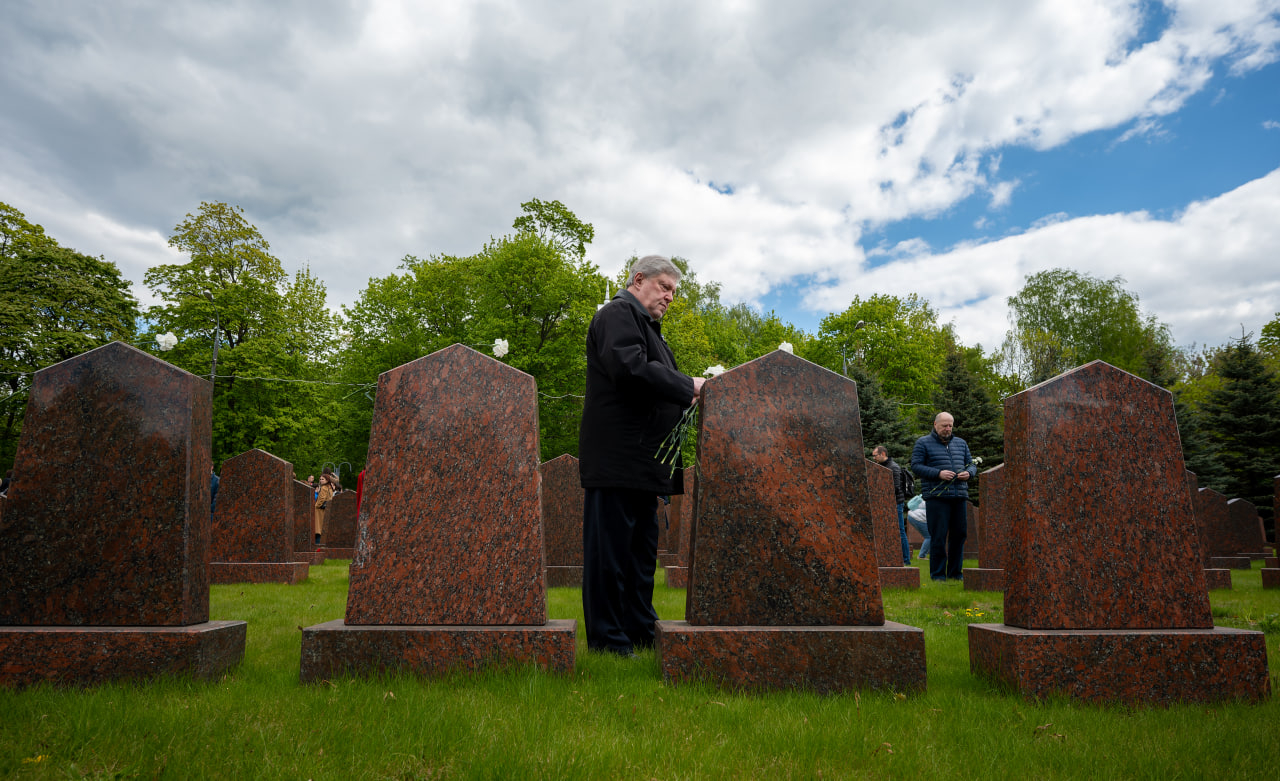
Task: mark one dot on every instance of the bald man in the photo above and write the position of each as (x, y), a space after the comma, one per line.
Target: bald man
(944, 465)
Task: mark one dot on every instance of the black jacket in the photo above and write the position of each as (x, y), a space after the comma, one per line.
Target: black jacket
(899, 490)
(635, 397)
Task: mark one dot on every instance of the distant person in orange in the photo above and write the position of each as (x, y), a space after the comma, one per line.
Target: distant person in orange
(327, 490)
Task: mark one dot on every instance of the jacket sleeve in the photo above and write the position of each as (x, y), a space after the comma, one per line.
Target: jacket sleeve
(919, 455)
(624, 354)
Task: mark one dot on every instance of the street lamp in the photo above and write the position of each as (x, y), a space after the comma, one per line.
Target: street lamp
(217, 328)
(844, 349)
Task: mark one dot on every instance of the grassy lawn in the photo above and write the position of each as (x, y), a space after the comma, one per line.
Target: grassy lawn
(614, 718)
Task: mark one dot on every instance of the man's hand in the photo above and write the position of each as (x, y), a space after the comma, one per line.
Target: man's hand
(963, 476)
(697, 388)
(947, 474)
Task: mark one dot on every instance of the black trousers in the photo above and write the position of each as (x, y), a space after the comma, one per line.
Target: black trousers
(620, 552)
(948, 528)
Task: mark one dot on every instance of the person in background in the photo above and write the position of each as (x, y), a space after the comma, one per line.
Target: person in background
(323, 495)
(943, 462)
(213, 490)
(919, 519)
(881, 455)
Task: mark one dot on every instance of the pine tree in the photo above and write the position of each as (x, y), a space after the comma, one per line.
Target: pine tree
(1198, 450)
(1242, 419)
(882, 423)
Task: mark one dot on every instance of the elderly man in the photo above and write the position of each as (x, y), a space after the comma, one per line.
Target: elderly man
(944, 465)
(635, 397)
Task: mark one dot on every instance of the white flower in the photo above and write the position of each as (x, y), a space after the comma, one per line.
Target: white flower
(714, 371)
(977, 460)
(166, 341)
(499, 348)
(787, 348)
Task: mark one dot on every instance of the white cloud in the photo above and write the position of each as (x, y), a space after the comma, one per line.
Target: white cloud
(355, 133)
(1205, 272)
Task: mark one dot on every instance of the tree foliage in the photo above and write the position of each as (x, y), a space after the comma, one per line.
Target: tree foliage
(267, 327)
(978, 419)
(55, 303)
(1063, 318)
(1242, 420)
(552, 222)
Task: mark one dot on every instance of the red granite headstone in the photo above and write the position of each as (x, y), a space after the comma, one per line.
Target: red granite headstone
(992, 547)
(110, 580)
(253, 527)
(1084, 616)
(884, 518)
(339, 538)
(783, 585)
(1271, 567)
(1248, 533)
(681, 515)
(1213, 528)
(456, 582)
(562, 498)
(1214, 578)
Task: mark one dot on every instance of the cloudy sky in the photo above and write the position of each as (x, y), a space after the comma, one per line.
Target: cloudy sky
(799, 152)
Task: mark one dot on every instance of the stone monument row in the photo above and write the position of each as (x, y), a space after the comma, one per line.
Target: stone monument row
(111, 582)
(784, 590)
(562, 498)
(253, 527)
(884, 518)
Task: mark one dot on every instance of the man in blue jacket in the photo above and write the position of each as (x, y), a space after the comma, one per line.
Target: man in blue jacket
(635, 397)
(944, 465)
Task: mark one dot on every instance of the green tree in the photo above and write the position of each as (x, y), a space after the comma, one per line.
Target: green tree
(1063, 318)
(900, 342)
(552, 222)
(881, 419)
(234, 294)
(1242, 419)
(55, 303)
(17, 235)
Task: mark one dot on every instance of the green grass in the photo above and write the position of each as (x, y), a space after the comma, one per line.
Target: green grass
(614, 718)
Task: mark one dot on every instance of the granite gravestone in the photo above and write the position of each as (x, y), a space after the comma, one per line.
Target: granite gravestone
(1271, 567)
(110, 581)
(1083, 615)
(304, 538)
(1214, 578)
(992, 547)
(680, 515)
(562, 498)
(884, 518)
(1217, 539)
(339, 538)
(783, 589)
(253, 527)
(457, 582)
(1249, 534)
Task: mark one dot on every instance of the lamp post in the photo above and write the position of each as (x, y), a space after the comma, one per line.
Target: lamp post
(217, 329)
(844, 350)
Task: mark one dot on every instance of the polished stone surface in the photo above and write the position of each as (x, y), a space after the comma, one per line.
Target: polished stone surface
(1213, 523)
(108, 521)
(1163, 666)
(334, 649)
(995, 522)
(1270, 577)
(340, 522)
(679, 539)
(450, 531)
(899, 577)
(983, 579)
(84, 655)
(1094, 474)
(287, 572)
(562, 498)
(973, 531)
(1217, 578)
(782, 532)
(1105, 597)
(1248, 533)
(884, 515)
(254, 521)
(304, 535)
(1230, 562)
(822, 659)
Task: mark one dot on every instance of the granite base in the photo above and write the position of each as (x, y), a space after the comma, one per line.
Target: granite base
(677, 577)
(82, 655)
(318, 556)
(335, 648)
(1161, 666)
(1230, 562)
(983, 579)
(824, 659)
(1217, 579)
(1271, 562)
(1256, 556)
(564, 576)
(899, 577)
(339, 553)
(1270, 577)
(290, 572)
(667, 559)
